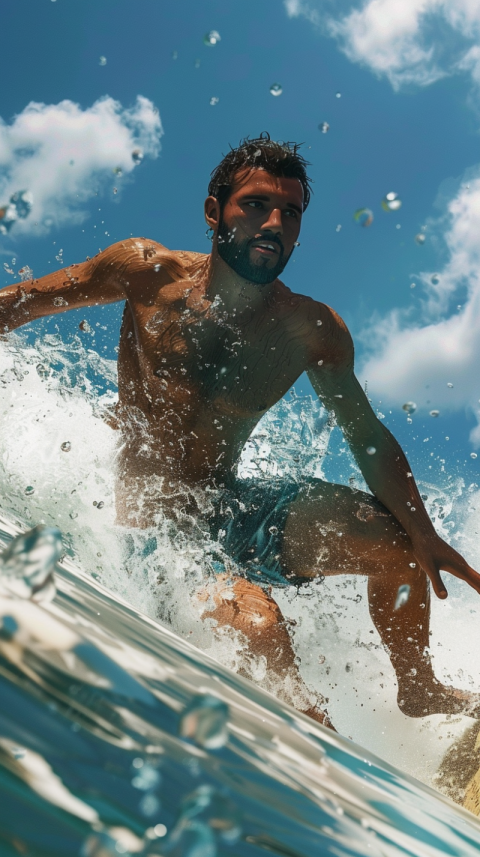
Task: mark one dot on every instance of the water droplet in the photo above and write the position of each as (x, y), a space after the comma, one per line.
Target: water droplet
(115, 190)
(18, 752)
(25, 274)
(149, 805)
(319, 322)
(147, 777)
(214, 100)
(323, 127)
(102, 61)
(363, 216)
(321, 659)
(409, 407)
(137, 156)
(73, 515)
(338, 227)
(420, 238)
(473, 455)
(8, 627)
(320, 363)
(27, 565)
(449, 384)
(273, 530)
(29, 490)
(60, 301)
(66, 446)
(193, 839)
(103, 844)
(100, 505)
(157, 268)
(84, 325)
(43, 371)
(276, 89)
(371, 450)
(117, 171)
(338, 95)
(403, 594)
(208, 810)
(391, 202)
(212, 38)
(205, 721)
(413, 285)
(434, 413)
(435, 279)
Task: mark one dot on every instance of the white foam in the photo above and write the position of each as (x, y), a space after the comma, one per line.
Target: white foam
(162, 573)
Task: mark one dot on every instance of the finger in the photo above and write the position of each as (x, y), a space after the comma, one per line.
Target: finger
(438, 585)
(464, 572)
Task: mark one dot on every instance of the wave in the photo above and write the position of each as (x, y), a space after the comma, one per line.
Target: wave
(58, 457)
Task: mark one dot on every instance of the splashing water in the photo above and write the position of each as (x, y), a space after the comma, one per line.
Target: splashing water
(159, 571)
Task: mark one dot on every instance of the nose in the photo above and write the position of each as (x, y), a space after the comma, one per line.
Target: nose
(274, 222)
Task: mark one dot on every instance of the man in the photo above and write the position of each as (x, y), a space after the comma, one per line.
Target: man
(208, 344)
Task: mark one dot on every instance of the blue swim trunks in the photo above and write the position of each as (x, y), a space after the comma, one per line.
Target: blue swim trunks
(248, 522)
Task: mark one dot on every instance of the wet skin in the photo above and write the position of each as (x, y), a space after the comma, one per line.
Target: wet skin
(204, 353)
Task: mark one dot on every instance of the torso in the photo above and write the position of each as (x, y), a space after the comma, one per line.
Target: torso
(193, 382)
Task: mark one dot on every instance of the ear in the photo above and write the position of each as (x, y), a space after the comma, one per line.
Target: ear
(212, 212)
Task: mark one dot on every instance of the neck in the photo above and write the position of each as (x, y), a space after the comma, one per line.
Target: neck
(232, 291)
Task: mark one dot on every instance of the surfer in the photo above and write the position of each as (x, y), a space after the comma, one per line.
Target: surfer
(210, 342)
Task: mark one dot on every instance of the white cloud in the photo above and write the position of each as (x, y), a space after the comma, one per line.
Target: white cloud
(417, 359)
(61, 153)
(408, 41)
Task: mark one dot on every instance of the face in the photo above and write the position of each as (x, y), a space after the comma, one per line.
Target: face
(260, 223)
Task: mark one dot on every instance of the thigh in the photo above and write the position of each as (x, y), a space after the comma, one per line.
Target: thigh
(333, 529)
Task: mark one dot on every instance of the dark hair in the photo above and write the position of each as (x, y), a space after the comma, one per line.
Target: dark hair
(278, 159)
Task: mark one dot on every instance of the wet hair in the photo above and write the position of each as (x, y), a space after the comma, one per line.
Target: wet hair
(279, 159)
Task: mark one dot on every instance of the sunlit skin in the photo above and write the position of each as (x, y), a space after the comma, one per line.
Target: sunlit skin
(203, 354)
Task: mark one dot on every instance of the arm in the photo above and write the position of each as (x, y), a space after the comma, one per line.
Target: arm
(386, 471)
(76, 286)
(124, 268)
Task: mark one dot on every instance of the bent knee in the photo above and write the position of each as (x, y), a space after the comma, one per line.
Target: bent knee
(245, 604)
(254, 603)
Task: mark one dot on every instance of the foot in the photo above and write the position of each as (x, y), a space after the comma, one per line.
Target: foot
(432, 697)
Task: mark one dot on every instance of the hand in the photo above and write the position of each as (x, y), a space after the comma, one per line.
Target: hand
(433, 554)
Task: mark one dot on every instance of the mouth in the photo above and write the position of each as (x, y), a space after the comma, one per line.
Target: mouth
(266, 248)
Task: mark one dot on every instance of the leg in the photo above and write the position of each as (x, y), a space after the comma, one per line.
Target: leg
(334, 530)
(247, 608)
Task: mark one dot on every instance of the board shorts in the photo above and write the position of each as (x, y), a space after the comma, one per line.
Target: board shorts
(248, 522)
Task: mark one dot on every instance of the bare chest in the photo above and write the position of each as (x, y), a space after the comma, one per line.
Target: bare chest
(238, 368)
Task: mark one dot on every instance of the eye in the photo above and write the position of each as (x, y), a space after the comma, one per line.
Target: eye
(254, 203)
(291, 213)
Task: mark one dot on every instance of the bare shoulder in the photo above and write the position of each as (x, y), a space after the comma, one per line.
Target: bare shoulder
(324, 331)
(134, 258)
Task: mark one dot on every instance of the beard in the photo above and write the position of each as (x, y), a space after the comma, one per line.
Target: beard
(236, 254)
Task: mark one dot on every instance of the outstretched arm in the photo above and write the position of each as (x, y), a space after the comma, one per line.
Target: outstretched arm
(96, 281)
(133, 267)
(379, 456)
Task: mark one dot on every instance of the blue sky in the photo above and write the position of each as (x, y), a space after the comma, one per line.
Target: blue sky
(406, 121)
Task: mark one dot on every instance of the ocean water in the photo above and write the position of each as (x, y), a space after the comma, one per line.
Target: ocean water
(124, 727)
